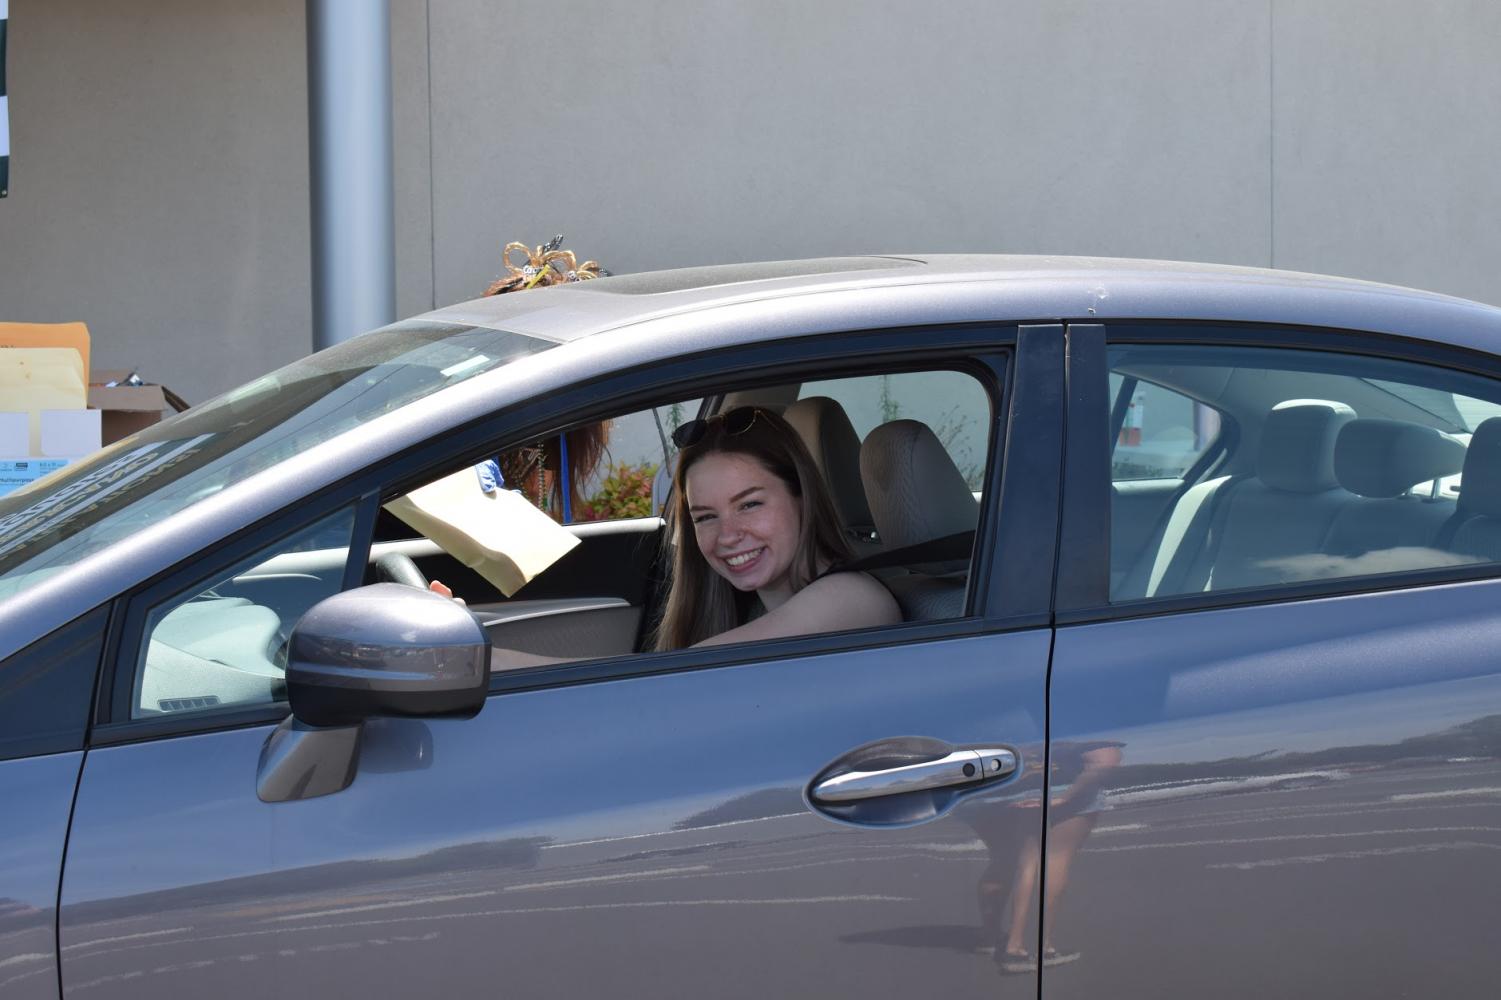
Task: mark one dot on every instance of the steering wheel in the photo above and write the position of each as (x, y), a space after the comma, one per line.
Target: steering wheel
(399, 568)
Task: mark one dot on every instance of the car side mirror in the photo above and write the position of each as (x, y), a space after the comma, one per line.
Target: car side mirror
(378, 651)
(386, 650)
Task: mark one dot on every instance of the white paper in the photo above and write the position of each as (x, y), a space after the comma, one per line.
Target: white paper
(70, 433)
(41, 378)
(15, 435)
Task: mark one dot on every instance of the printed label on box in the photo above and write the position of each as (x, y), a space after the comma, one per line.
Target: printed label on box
(18, 472)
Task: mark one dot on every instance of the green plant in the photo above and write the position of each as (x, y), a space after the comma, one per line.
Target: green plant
(626, 492)
(950, 433)
(890, 408)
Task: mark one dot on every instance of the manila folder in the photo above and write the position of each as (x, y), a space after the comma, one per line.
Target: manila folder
(499, 535)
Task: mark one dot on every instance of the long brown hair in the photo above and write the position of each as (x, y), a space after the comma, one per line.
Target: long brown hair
(701, 603)
(537, 469)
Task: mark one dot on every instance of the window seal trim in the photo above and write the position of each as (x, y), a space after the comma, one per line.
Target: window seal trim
(361, 541)
(791, 648)
(1328, 340)
(1084, 545)
(1348, 586)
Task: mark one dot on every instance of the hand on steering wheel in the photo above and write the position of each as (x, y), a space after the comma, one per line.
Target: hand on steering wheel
(398, 568)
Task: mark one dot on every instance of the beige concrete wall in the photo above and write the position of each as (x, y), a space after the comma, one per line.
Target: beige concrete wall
(159, 183)
(1387, 142)
(668, 133)
(159, 175)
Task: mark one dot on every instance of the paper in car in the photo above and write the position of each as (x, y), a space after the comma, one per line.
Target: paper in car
(499, 535)
(33, 379)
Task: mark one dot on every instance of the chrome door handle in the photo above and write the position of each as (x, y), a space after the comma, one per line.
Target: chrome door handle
(962, 767)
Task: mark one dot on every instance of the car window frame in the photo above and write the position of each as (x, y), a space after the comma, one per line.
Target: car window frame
(1086, 492)
(70, 658)
(112, 721)
(777, 362)
(1025, 440)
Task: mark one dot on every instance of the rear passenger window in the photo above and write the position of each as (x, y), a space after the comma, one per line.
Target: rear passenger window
(1342, 466)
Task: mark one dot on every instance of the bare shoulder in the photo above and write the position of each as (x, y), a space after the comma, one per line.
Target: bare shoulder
(860, 599)
(834, 603)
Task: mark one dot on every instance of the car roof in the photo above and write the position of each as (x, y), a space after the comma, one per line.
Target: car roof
(1021, 287)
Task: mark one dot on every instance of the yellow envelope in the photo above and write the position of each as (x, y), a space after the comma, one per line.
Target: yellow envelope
(33, 379)
(499, 535)
(74, 335)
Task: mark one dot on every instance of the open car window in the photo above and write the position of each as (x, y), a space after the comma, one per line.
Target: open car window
(890, 449)
(883, 445)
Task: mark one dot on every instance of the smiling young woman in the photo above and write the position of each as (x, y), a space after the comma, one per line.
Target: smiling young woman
(754, 536)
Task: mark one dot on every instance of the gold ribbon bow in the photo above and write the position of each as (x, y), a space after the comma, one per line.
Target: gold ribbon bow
(547, 264)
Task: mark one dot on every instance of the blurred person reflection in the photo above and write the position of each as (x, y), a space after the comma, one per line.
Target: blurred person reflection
(1077, 773)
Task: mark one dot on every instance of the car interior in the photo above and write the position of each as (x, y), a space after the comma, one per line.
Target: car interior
(894, 486)
(1313, 474)
(896, 480)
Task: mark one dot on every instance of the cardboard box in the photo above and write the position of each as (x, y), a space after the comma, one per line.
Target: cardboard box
(124, 409)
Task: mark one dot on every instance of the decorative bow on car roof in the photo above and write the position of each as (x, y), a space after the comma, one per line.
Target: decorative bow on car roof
(548, 264)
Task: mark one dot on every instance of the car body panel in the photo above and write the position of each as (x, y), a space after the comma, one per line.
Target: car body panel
(36, 796)
(642, 837)
(1308, 800)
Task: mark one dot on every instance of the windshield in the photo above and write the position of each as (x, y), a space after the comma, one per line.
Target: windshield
(90, 504)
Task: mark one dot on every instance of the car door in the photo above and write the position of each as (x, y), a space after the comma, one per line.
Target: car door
(1274, 768)
(45, 690)
(639, 826)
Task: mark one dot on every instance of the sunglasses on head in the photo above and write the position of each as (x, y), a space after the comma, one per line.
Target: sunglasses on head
(736, 421)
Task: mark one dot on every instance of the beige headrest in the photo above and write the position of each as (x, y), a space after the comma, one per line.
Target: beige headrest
(916, 492)
(830, 438)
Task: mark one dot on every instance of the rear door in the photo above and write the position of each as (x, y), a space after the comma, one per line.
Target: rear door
(636, 827)
(1291, 788)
